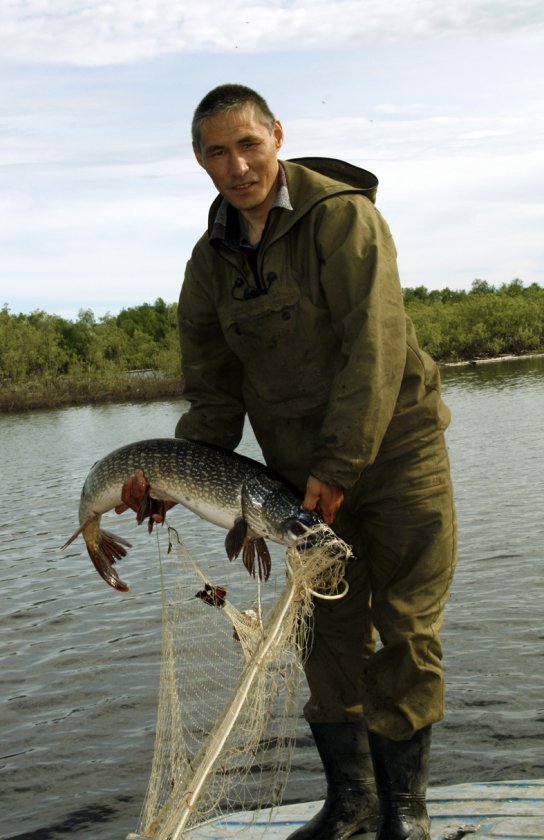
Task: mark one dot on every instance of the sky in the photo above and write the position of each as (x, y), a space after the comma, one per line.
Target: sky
(101, 199)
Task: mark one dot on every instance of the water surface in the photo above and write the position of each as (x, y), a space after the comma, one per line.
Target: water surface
(79, 662)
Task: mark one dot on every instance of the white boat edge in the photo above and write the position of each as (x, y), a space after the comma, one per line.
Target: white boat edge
(509, 810)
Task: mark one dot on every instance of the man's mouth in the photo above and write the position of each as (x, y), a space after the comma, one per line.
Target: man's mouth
(242, 187)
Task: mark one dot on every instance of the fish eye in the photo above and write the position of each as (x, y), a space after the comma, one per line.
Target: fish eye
(308, 519)
(296, 529)
(293, 529)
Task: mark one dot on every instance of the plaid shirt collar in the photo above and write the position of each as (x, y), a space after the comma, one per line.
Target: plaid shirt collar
(226, 226)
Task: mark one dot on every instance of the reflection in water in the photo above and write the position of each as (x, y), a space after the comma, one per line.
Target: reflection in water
(521, 374)
(80, 662)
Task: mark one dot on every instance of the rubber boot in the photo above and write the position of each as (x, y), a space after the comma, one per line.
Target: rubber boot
(351, 804)
(402, 771)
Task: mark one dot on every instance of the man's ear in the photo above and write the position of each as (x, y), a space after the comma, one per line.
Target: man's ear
(277, 131)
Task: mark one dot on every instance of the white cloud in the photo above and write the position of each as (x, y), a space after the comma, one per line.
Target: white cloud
(101, 200)
(425, 137)
(456, 218)
(120, 31)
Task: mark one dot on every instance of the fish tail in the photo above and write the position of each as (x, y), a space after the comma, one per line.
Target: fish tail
(104, 549)
(104, 553)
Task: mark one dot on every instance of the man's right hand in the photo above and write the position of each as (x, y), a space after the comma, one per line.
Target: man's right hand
(325, 498)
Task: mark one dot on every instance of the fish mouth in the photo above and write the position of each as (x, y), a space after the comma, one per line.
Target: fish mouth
(300, 529)
(308, 531)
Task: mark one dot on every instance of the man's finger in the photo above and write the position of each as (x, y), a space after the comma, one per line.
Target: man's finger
(310, 500)
(327, 498)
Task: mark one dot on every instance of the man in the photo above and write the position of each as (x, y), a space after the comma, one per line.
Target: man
(291, 311)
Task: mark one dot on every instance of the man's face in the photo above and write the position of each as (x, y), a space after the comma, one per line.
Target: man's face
(239, 153)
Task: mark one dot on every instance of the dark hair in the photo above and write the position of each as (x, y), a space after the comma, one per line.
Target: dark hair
(228, 98)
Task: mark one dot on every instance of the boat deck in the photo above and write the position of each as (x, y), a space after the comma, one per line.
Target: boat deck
(507, 810)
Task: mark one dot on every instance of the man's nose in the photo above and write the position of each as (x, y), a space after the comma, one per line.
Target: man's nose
(238, 165)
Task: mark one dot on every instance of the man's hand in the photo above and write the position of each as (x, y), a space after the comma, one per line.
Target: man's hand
(135, 495)
(325, 498)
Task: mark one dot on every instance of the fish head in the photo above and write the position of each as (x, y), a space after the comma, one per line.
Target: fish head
(267, 504)
(307, 531)
(298, 528)
(272, 510)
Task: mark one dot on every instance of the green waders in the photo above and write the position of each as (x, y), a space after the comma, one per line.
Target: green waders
(400, 518)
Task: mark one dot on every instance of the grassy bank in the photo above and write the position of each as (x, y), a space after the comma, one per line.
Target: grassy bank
(42, 395)
(35, 394)
(46, 361)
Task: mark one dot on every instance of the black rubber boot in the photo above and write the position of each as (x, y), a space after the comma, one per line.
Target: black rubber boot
(351, 804)
(402, 771)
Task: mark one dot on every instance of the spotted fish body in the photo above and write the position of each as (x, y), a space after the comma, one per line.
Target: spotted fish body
(206, 479)
(223, 487)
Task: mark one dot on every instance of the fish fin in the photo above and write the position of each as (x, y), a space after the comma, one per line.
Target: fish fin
(114, 545)
(146, 508)
(158, 512)
(110, 548)
(79, 531)
(107, 549)
(235, 539)
(154, 510)
(240, 539)
(263, 558)
(248, 557)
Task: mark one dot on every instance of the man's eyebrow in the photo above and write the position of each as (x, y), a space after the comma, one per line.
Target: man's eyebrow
(248, 137)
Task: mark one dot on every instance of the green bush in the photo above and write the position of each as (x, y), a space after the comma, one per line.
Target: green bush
(47, 360)
(484, 322)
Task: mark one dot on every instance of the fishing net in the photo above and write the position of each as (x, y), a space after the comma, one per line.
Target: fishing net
(231, 669)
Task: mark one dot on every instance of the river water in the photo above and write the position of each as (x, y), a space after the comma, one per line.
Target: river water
(79, 663)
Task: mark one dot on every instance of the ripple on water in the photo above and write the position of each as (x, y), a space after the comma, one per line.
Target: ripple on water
(80, 662)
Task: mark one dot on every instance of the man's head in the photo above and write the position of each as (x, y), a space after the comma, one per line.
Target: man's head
(226, 98)
(236, 139)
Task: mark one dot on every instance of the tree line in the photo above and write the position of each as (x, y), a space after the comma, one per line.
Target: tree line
(43, 345)
(46, 359)
(482, 323)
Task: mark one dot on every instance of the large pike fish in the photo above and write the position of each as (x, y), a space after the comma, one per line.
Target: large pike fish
(223, 487)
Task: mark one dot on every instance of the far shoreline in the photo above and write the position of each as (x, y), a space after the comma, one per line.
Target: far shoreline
(484, 360)
(149, 389)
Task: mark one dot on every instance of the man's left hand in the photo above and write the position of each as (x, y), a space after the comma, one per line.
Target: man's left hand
(135, 495)
(323, 497)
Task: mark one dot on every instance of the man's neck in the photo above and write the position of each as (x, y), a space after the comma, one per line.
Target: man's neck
(253, 226)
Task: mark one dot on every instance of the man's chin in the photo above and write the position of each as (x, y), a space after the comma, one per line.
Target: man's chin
(245, 202)
(250, 197)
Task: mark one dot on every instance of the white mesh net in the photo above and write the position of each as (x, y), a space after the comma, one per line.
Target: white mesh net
(232, 662)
